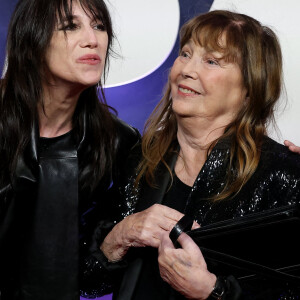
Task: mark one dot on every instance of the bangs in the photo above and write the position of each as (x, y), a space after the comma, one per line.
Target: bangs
(217, 34)
(94, 8)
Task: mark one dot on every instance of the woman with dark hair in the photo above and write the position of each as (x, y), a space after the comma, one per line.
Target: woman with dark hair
(60, 146)
(205, 153)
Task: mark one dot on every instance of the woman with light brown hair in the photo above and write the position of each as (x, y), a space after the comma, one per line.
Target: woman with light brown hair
(205, 153)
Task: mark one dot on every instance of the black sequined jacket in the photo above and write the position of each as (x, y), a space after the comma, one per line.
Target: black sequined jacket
(275, 183)
(16, 202)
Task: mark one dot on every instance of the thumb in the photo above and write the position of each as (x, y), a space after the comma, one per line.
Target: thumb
(188, 244)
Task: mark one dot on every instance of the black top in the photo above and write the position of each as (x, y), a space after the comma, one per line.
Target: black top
(150, 285)
(49, 262)
(39, 212)
(275, 183)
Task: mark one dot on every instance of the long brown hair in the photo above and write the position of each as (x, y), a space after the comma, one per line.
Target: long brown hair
(257, 51)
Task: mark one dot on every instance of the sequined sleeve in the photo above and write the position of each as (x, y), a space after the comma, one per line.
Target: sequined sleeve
(98, 275)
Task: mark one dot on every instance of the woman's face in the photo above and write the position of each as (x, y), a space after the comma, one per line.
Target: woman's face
(77, 51)
(205, 86)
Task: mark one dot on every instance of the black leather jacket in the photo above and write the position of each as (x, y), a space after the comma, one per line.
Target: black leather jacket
(16, 202)
(275, 183)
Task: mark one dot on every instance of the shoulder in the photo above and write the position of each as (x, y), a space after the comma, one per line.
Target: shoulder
(280, 161)
(126, 136)
(127, 155)
(279, 153)
(125, 132)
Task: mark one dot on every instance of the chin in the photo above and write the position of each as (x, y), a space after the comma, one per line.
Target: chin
(89, 78)
(90, 82)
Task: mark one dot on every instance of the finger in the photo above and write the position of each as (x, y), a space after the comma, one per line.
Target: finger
(166, 224)
(165, 243)
(288, 143)
(195, 225)
(170, 213)
(292, 147)
(166, 217)
(295, 149)
(189, 245)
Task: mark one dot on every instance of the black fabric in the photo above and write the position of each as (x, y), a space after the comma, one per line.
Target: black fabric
(177, 196)
(183, 225)
(46, 270)
(242, 246)
(150, 285)
(46, 224)
(100, 213)
(275, 183)
(48, 230)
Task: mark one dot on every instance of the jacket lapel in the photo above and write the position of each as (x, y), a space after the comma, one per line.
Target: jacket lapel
(16, 198)
(149, 196)
(210, 179)
(152, 195)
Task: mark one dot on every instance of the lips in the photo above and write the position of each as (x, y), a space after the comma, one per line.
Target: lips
(89, 59)
(186, 90)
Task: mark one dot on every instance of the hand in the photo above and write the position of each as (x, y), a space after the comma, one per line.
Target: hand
(141, 229)
(292, 146)
(185, 269)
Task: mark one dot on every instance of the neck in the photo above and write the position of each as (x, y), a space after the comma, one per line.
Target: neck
(59, 106)
(194, 137)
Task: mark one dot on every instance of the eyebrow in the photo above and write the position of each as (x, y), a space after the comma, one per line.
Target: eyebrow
(76, 17)
(214, 53)
(72, 17)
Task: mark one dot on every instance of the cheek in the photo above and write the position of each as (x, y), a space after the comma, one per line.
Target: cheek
(172, 76)
(103, 43)
(57, 56)
(175, 71)
(228, 86)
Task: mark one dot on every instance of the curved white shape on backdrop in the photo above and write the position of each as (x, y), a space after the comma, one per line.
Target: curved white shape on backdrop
(283, 18)
(146, 33)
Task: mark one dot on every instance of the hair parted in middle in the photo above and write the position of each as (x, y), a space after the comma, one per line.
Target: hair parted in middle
(256, 49)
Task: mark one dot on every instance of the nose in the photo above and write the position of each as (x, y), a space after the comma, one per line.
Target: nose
(189, 69)
(89, 38)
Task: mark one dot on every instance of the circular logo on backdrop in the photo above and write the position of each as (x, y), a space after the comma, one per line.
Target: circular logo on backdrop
(146, 32)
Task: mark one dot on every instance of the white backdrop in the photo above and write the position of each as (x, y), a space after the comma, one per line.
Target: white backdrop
(283, 17)
(147, 31)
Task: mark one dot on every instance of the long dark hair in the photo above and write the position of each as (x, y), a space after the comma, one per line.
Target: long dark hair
(30, 31)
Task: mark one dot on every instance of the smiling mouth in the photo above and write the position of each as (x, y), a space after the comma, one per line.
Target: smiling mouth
(187, 91)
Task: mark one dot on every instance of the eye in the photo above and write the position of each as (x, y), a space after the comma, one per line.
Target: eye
(212, 61)
(184, 54)
(100, 27)
(68, 27)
